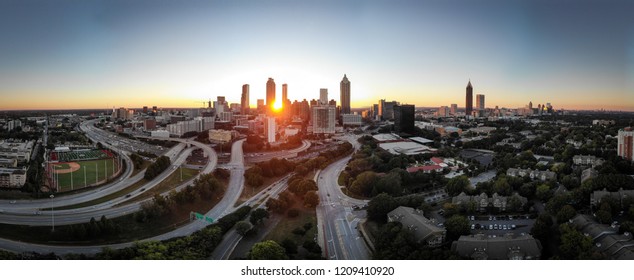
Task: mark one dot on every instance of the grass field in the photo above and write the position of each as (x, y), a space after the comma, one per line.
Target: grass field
(94, 171)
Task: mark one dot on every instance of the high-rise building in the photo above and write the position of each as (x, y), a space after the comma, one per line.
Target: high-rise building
(625, 147)
(454, 109)
(530, 105)
(284, 93)
(344, 87)
(323, 119)
(443, 111)
(270, 129)
(323, 96)
(244, 100)
(388, 110)
(122, 113)
(144, 109)
(270, 94)
(381, 108)
(404, 118)
(480, 101)
(469, 101)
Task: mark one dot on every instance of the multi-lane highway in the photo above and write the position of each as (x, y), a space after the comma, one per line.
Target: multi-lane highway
(260, 157)
(232, 238)
(114, 208)
(337, 220)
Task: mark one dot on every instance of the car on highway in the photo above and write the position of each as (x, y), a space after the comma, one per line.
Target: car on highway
(12, 202)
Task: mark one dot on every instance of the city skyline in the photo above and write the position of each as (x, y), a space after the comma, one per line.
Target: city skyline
(93, 55)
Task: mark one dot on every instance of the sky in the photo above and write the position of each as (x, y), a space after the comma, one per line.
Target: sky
(101, 54)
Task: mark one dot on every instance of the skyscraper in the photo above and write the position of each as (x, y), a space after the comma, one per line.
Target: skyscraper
(625, 147)
(270, 94)
(404, 118)
(323, 119)
(244, 101)
(454, 109)
(284, 93)
(323, 96)
(480, 101)
(344, 87)
(469, 104)
(270, 129)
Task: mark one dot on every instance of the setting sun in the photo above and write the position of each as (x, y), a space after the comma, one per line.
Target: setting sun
(277, 106)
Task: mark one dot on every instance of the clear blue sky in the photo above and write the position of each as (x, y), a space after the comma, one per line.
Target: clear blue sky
(98, 54)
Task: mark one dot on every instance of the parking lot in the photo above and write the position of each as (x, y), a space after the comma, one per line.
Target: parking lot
(500, 224)
(492, 224)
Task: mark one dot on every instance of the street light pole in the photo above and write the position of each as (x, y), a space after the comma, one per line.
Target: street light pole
(52, 214)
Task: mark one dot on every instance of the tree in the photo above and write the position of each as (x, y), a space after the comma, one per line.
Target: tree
(543, 192)
(242, 227)
(566, 213)
(311, 200)
(450, 209)
(574, 245)
(379, 206)
(258, 215)
(604, 217)
(502, 186)
(514, 203)
(289, 246)
(541, 227)
(457, 185)
(267, 250)
(457, 226)
(364, 183)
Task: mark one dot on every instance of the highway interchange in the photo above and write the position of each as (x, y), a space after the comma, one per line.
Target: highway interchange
(336, 219)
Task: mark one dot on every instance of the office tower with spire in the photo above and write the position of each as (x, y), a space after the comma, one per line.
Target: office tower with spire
(244, 100)
(270, 94)
(469, 102)
(344, 87)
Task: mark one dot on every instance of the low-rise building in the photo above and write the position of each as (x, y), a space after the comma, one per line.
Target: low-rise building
(588, 174)
(606, 238)
(8, 162)
(424, 230)
(587, 160)
(351, 119)
(12, 177)
(483, 201)
(533, 174)
(507, 247)
(21, 151)
(219, 135)
(160, 133)
(620, 196)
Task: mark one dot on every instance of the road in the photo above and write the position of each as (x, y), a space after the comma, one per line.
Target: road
(337, 222)
(254, 157)
(232, 238)
(83, 215)
(231, 196)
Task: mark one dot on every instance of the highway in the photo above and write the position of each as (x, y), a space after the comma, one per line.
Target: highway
(336, 220)
(232, 238)
(109, 210)
(83, 215)
(255, 157)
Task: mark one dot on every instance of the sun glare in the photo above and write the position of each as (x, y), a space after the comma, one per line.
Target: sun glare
(277, 106)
